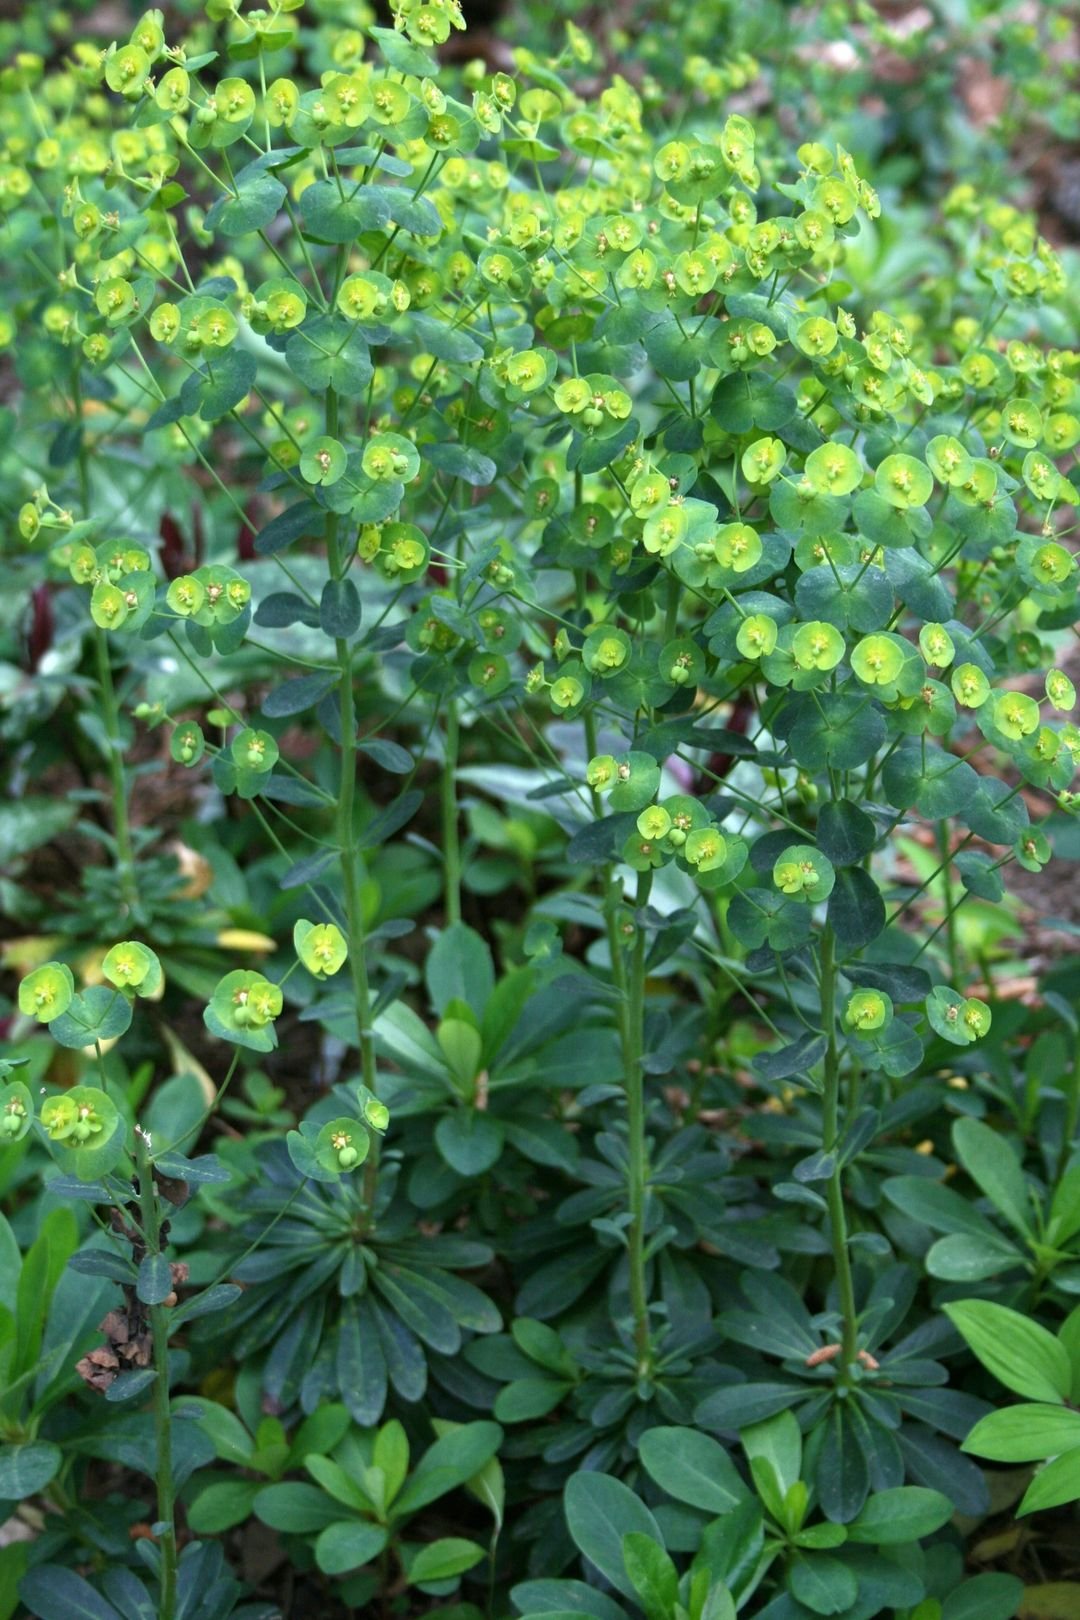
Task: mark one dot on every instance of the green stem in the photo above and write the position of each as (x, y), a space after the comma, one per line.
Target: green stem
(197, 1129)
(159, 1333)
(612, 890)
(830, 1138)
(671, 611)
(1072, 1111)
(121, 825)
(633, 1048)
(451, 843)
(346, 836)
(950, 906)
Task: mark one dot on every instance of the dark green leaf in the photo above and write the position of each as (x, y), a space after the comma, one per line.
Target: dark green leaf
(963, 1258)
(155, 1279)
(731, 1408)
(843, 1478)
(823, 1583)
(652, 1575)
(361, 1364)
(233, 375)
(454, 344)
(692, 1468)
(907, 1513)
(904, 984)
(795, 1058)
(98, 1013)
(281, 609)
(339, 608)
(333, 217)
(598, 841)
(600, 1511)
(329, 352)
(460, 968)
(389, 756)
(299, 1509)
(303, 518)
(845, 833)
(417, 215)
(984, 1597)
(252, 209)
(53, 1593)
(470, 1141)
(397, 814)
(126, 1386)
(348, 1545)
(856, 911)
(994, 1167)
(293, 697)
(442, 1560)
(742, 401)
(27, 1469)
(402, 54)
(460, 461)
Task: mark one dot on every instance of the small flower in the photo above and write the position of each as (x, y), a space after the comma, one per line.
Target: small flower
(566, 692)
(970, 686)
(804, 873)
(756, 636)
(16, 1112)
(254, 750)
(46, 992)
(737, 546)
(903, 482)
(243, 1008)
(868, 1010)
(1060, 691)
(58, 1116)
(654, 823)
(1016, 715)
(958, 1019)
(936, 645)
(877, 660)
(323, 462)
(341, 1145)
(601, 773)
(705, 849)
(321, 947)
(126, 966)
(817, 645)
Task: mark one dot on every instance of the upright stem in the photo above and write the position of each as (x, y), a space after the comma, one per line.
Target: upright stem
(451, 844)
(671, 610)
(121, 825)
(1072, 1111)
(346, 835)
(947, 894)
(611, 888)
(834, 1192)
(633, 1050)
(159, 1333)
(630, 1012)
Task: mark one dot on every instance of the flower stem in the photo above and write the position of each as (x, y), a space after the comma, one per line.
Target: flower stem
(451, 844)
(121, 825)
(346, 836)
(1072, 1111)
(633, 1051)
(159, 1333)
(834, 1192)
(950, 906)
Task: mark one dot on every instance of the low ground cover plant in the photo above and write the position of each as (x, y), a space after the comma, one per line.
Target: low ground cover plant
(554, 663)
